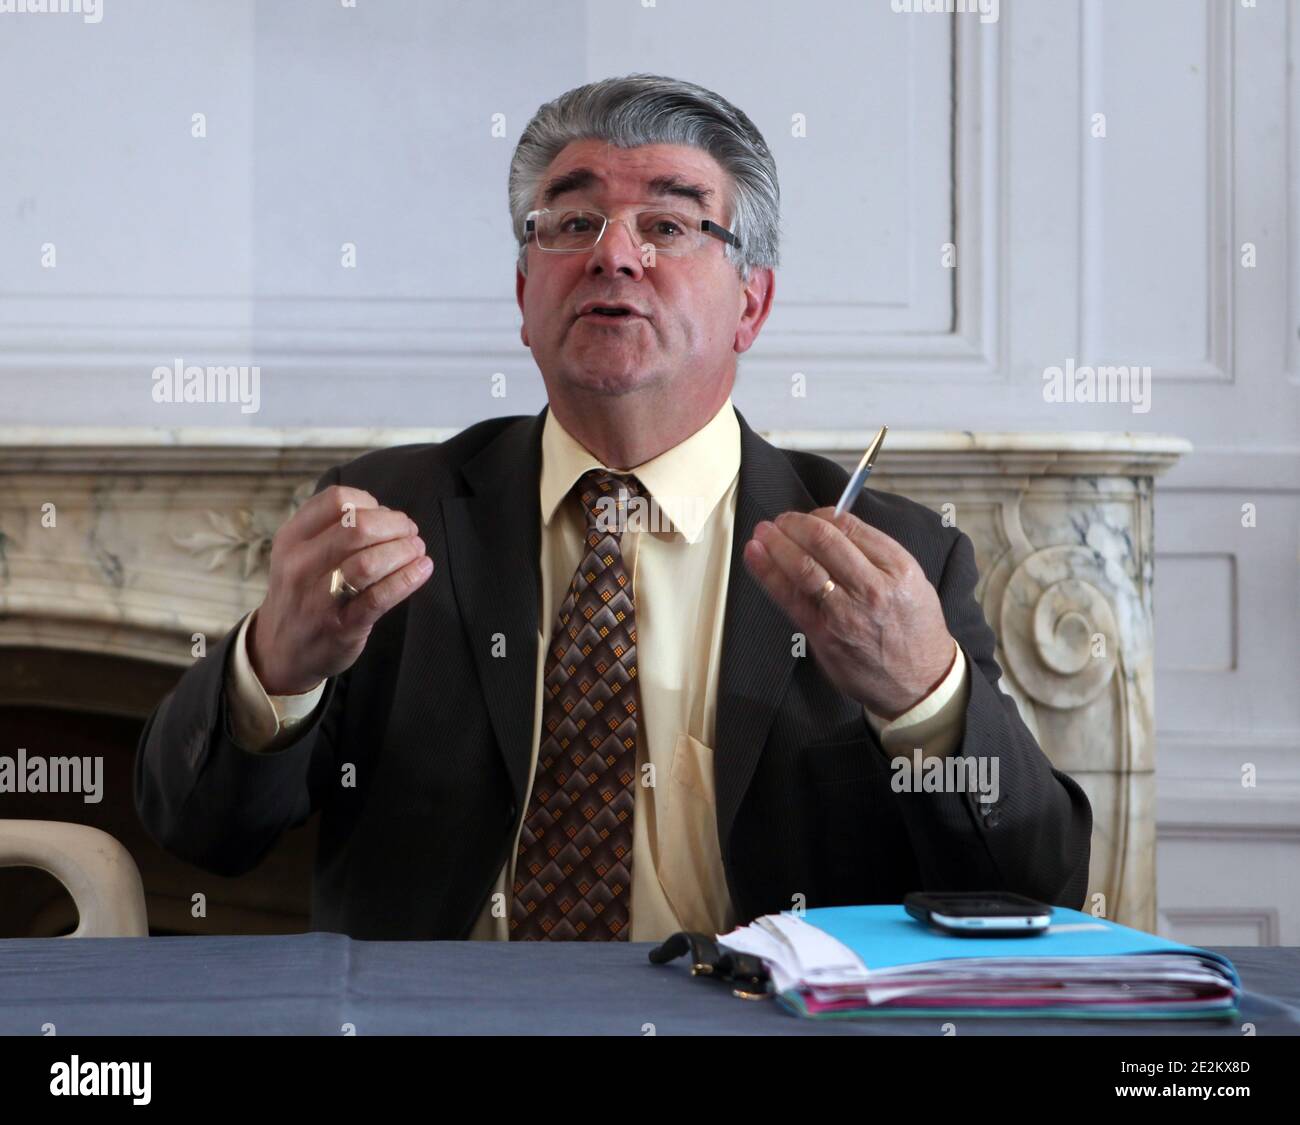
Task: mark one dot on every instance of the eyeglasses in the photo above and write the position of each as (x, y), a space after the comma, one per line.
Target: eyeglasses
(577, 230)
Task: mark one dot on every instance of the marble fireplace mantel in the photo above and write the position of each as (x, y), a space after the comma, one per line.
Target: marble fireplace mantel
(128, 542)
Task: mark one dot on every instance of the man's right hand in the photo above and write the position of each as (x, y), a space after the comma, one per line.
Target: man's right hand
(301, 634)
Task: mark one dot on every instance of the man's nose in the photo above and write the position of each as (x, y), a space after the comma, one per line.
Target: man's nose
(616, 251)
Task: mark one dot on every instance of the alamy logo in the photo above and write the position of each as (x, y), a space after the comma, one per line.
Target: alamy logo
(53, 775)
(180, 383)
(114, 1079)
(92, 11)
(640, 513)
(987, 9)
(1098, 384)
(951, 773)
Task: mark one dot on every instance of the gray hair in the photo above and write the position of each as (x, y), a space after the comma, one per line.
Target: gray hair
(648, 109)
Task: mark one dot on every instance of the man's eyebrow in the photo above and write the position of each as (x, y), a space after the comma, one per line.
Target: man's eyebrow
(675, 185)
(579, 178)
(575, 180)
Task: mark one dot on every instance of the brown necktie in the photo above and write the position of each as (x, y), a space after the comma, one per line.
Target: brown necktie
(573, 873)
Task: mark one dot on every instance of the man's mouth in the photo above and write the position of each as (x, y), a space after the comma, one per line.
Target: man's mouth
(615, 310)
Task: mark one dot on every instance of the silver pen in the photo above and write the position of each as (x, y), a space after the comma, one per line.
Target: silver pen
(860, 474)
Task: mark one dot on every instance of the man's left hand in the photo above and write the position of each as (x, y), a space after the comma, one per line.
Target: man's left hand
(879, 634)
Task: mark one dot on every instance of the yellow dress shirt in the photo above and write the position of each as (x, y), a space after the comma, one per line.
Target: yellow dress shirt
(680, 566)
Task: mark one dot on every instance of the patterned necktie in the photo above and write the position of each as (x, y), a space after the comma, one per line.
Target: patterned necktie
(573, 873)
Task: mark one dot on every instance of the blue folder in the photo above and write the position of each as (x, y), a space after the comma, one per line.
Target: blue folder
(888, 937)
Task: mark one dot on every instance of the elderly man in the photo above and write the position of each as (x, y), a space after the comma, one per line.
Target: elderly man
(614, 670)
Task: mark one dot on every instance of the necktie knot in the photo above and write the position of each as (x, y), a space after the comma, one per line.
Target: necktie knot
(605, 496)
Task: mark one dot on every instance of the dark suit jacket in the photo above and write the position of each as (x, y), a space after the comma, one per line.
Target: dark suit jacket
(439, 729)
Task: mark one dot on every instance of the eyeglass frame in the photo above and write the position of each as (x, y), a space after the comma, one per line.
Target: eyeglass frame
(707, 226)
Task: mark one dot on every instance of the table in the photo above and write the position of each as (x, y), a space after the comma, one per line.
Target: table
(317, 982)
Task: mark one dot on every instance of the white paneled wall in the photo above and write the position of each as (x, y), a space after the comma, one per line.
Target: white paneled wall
(1121, 181)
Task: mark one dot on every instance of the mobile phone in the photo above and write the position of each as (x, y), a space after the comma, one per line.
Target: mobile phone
(979, 913)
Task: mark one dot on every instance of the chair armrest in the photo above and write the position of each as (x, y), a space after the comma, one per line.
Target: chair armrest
(97, 871)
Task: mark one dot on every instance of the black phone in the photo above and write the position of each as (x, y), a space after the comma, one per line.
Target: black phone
(979, 913)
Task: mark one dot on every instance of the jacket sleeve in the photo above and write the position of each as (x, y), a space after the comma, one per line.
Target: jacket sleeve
(206, 799)
(1035, 838)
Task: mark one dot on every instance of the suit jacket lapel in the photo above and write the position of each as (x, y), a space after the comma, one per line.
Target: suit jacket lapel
(757, 661)
(493, 546)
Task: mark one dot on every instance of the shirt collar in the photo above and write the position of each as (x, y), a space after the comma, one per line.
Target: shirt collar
(686, 481)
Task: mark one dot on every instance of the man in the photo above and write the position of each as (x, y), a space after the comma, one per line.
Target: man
(526, 711)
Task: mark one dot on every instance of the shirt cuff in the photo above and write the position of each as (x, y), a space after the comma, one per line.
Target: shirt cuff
(259, 721)
(936, 724)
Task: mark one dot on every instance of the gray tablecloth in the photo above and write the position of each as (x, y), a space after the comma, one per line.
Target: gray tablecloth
(316, 983)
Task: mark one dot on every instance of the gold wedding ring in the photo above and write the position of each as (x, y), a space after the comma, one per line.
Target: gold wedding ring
(341, 590)
(827, 587)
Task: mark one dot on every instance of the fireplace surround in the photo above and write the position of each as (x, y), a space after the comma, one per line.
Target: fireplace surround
(125, 554)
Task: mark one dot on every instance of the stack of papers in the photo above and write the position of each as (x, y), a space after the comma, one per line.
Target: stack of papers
(855, 961)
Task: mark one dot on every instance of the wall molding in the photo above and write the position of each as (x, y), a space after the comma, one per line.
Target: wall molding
(1199, 794)
(332, 336)
(1264, 919)
(1218, 364)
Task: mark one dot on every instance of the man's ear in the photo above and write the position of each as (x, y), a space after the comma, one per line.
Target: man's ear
(520, 282)
(757, 293)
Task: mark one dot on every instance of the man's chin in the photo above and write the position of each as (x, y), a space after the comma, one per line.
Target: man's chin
(608, 380)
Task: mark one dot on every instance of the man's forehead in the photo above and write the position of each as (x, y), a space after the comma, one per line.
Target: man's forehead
(649, 171)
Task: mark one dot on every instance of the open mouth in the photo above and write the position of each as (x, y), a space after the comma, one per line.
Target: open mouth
(611, 314)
